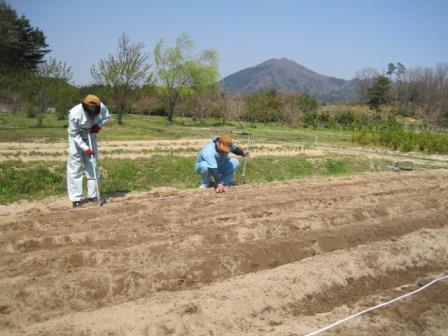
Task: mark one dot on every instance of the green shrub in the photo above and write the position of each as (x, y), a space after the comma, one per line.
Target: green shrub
(334, 167)
(392, 135)
(345, 118)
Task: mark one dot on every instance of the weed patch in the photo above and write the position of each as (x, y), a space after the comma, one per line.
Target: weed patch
(36, 180)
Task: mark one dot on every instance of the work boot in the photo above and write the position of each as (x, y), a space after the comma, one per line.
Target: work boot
(77, 204)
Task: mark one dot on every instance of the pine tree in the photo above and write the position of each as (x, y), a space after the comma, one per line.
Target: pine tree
(378, 93)
(22, 47)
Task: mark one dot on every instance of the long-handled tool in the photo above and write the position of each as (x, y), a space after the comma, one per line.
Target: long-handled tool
(243, 176)
(98, 195)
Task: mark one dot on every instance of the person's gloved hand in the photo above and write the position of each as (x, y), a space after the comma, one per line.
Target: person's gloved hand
(88, 152)
(246, 154)
(220, 188)
(95, 129)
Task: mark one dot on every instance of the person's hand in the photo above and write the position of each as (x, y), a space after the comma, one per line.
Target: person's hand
(95, 129)
(246, 154)
(88, 152)
(220, 188)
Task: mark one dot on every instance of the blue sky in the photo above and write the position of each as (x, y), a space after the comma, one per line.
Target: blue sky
(332, 37)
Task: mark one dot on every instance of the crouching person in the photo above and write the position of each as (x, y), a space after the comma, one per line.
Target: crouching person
(213, 161)
(87, 117)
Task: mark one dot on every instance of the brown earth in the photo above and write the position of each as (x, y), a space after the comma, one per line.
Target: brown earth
(272, 259)
(135, 149)
(189, 147)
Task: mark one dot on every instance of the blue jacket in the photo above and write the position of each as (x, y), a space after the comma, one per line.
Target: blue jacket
(214, 158)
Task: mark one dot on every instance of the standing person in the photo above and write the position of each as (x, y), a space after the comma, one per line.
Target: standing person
(89, 116)
(213, 160)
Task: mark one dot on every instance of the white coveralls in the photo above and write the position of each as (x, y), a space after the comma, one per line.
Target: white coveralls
(78, 126)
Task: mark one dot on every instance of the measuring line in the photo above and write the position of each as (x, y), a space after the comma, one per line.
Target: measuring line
(377, 306)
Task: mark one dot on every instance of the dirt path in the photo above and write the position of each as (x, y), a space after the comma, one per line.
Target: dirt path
(189, 147)
(135, 149)
(276, 259)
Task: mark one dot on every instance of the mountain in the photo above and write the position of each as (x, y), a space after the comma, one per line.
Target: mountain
(285, 75)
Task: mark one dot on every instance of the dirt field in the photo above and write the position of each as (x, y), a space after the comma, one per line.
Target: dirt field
(272, 259)
(189, 147)
(135, 149)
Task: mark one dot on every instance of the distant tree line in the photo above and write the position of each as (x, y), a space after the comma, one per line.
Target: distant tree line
(421, 93)
(184, 82)
(32, 83)
(27, 81)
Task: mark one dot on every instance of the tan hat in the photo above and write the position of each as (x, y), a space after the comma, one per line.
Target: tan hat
(226, 142)
(91, 99)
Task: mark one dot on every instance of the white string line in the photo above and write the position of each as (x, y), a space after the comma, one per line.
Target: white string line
(377, 306)
(191, 193)
(148, 199)
(253, 188)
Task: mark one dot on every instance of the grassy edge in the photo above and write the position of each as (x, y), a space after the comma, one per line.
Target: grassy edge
(36, 180)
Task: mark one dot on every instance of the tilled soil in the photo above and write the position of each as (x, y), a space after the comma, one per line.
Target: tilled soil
(29, 152)
(141, 149)
(272, 259)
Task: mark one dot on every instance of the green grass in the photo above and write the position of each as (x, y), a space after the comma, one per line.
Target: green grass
(17, 127)
(19, 181)
(35, 180)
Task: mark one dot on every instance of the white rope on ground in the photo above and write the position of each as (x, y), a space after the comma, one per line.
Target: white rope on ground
(144, 200)
(253, 188)
(377, 306)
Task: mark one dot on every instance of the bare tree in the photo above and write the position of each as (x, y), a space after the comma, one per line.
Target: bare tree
(235, 108)
(124, 72)
(200, 104)
(223, 107)
(56, 69)
(366, 78)
(147, 100)
(48, 84)
(441, 74)
(295, 105)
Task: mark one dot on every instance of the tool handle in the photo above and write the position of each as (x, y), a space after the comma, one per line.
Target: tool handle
(245, 161)
(97, 186)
